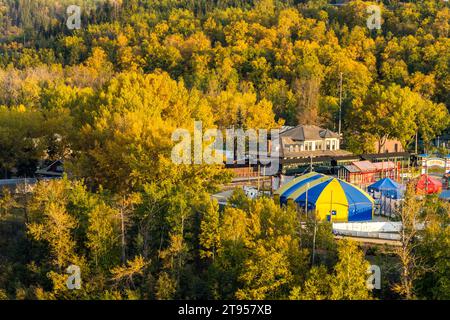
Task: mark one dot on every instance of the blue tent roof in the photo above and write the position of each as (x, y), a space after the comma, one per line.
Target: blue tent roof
(388, 187)
(296, 186)
(359, 209)
(384, 184)
(445, 195)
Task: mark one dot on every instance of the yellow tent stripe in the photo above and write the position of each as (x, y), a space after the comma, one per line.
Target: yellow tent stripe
(293, 182)
(310, 185)
(333, 198)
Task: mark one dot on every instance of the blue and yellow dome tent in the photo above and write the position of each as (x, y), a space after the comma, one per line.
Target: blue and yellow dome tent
(331, 198)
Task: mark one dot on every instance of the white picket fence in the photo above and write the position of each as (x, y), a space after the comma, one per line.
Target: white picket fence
(368, 226)
(369, 235)
(375, 230)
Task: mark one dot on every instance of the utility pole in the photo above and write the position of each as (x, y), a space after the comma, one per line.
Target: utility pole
(417, 138)
(306, 202)
(401, 171)
(314, 239)
(340, 104)
(259, 168)
(396, 169)
(122, 227)
(249, 169)
(264, 178)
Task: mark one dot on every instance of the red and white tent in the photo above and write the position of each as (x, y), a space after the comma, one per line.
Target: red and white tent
(428, 185)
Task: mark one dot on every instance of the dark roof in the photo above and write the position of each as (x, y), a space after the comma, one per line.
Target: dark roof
(385, 155)
(54, 169)
(315, 153)
(347, 158)
(17, 181)
(308, 132)
(328, 134)
(306, 160)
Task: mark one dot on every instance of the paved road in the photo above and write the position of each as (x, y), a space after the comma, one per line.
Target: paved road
(371, 240)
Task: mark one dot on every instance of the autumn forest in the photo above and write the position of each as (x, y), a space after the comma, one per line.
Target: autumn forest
(105, 98)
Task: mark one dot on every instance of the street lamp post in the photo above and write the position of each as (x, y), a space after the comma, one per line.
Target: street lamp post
(306, 202)
(340, 104)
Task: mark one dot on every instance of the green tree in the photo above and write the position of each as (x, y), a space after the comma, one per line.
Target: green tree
(316, 287)
(209, 230)
(387, 113)
(433, 248)
(350, 273)
(412, 265)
